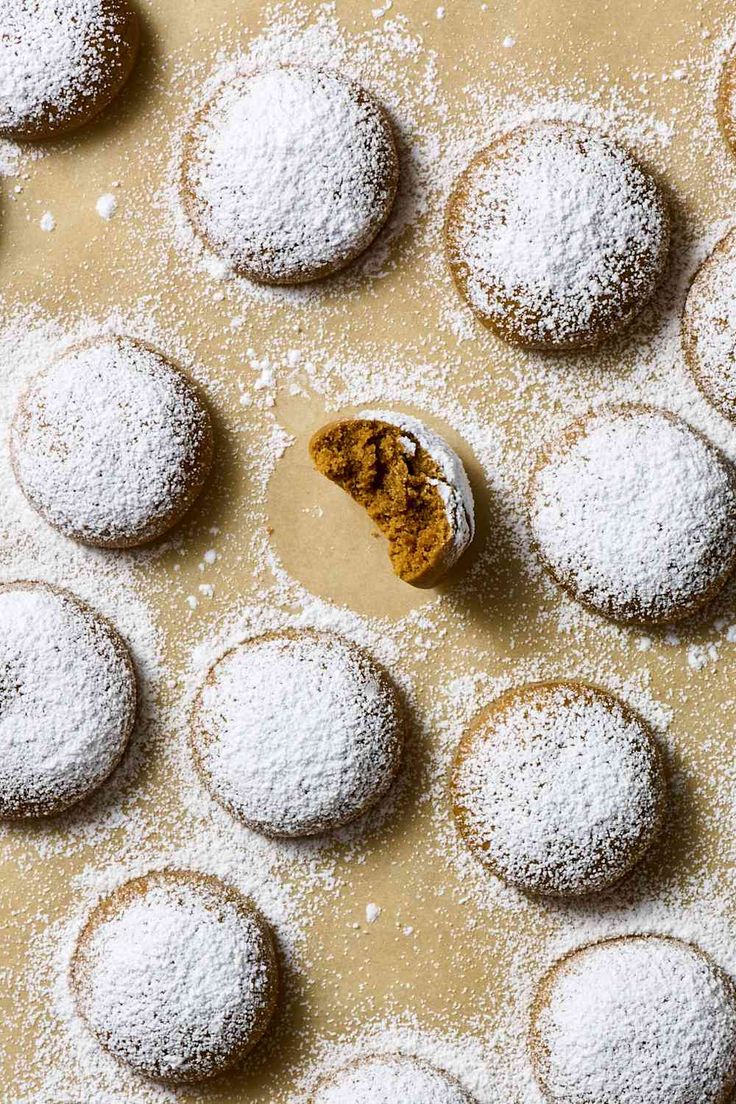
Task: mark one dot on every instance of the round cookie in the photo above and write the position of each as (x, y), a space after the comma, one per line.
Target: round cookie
(297, 732)
(390, 1079)
(289, 173)
(558, 788)
(111, 444)
(67, 700)
(634, 514)
(726, 100)
(62, 62)
(411, 483)
(709, 327)
(635, 1020)
(175, 974)
(556, 237)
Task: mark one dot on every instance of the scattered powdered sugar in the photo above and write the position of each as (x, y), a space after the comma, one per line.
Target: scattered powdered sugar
(454, 487)
(392, 1080)
(556, 235)
(54, 56)
(110, 443)
(290, 173)
(638, 1021)
(297, 733)
(48, 222)
(67, 700)
(175, 976)
(635, 514)
(559, 789)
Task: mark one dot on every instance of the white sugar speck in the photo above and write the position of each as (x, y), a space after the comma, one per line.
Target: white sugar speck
(106, 206)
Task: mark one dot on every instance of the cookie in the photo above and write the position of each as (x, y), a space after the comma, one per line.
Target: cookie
(62, 62)
(67, 699)
(558, 788)
(175, 974)
(289, 173)
(635, 1020)
(709, 327)
(634, 514)
(556, 237)
(390, 1079)
(411, 483)
(726, 101)
(111, 444)
(297, 732)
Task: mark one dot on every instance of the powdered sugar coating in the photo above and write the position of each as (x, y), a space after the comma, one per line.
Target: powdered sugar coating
(453, 486)
(634, 513)
(390, 1079)
(297, 732)
(556, 236)
(175, 974)
(111, 444)
(67, 700)
(636, 1020)
(290, 173)
(709, 326)
(61, 62)
(558, 788)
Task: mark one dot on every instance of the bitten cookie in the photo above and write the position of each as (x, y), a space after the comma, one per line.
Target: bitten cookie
(390, 1079)
(67, 699)
(289, 173)
(635, 1020)
(62, 62)
(411, 483)
(556, 237)
(709, 327)
(634, 513)
(558, 788)
(111, 444)
(175, 974)
(297, 732)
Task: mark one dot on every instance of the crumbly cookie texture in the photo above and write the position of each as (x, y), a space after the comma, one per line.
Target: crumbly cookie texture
(635, 1020)
(634, 513)
(390, 1079)
(709, 327)
(111, 443)
(556, 236)
(67, 700)
(289, 173)
(175, 974)
(297, 732)
(726, 101)
(62, 62)
(558, 788)
(411, 483)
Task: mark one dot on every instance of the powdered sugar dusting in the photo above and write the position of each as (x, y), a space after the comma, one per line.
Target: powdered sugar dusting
(392, 1080)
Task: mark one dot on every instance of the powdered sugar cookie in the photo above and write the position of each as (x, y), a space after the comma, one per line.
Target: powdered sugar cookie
(635, 1020)
(175, 974)
(556, 237)
(297, 732)
(390, 1079)
(289, 173)
(62, 62)
(411, 483)
(111, 443)
(709, 327)
(67, 699)
(634, 513)
(726, 101)
(558, 787)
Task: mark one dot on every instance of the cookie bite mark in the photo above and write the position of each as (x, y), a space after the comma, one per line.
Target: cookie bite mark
(175, 974)
(62, 62)
(556, 237)
(410, 482)
(289, 173)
